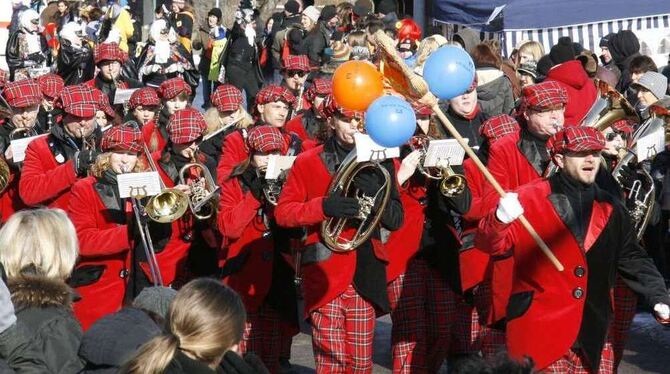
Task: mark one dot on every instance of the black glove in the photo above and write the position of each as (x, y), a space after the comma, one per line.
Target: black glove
(340, 207)
(627, 176)
(84, 161)
(369, 182)
(38, 57)
(253, 182)
(250, 364)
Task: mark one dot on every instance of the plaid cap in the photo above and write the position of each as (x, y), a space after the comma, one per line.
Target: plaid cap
(265, 139)
(331, 108)
(543, 95)
(109, 52)
(498, 126)
(103, 103)
(296, 62)
(173, 87)
(319, 87)
(145, 96)
(3, 77)
(422, 110)
(122, 138)
(273, 93)
(186, 125)
(576, 139)
(227, 98)
(23, 93)
(51, 85)
(624, 125)
(78, 101)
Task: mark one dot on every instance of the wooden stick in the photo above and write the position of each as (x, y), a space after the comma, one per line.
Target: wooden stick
(418, 86)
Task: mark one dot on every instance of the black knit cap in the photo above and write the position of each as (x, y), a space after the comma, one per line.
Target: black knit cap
(605, 39)
(215, 12)
(386, 7)
(292, 7)
(563, 51)
(328, 12)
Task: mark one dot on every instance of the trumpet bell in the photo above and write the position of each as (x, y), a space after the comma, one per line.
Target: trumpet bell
(452, 185)
(167, 206)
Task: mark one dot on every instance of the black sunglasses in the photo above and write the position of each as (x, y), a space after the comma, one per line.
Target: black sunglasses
(299, 73)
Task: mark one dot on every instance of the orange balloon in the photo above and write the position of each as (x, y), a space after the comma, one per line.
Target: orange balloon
(356, 84)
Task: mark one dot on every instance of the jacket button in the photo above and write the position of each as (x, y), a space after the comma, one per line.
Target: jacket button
(577, 293)
(423, 201)
(123, 273)
(579, 271)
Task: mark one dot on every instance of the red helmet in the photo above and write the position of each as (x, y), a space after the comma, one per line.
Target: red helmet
(408, 30)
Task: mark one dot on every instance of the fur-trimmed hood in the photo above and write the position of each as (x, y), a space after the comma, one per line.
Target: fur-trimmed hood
(32, 291)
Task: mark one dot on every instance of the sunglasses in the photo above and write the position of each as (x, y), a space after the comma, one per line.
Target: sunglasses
(612, 135)
(299, 73)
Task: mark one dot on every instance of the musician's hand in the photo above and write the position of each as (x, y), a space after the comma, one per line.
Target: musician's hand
(254, 183)
(509, 208)
(627, 175)
(408, 166)
(368, 182)
(183, 188)
(84, 160)
(150, 69)
(340, 207)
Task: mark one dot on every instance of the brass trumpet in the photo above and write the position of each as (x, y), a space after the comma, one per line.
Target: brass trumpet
(451, 183)
(170, 204)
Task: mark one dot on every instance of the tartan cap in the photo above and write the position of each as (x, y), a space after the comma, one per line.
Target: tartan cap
(296, 62)
(186, 125)
(319, 87)
(498, 126)
(576, 139)
(122, 138)
(145, 96)
(543, 95)
(78, 101)
(273, 93)
(3, 78)
(109, 52)
(173, 87)
(23, 93)
(422, 109)
(51, 85)
(265, 139)
(227, 98)
(624, 125)
(331, 108)
(103, 103)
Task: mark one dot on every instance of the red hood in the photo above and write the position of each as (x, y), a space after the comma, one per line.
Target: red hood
(571, 73)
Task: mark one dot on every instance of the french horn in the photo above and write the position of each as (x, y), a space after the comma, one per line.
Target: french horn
(204, 191)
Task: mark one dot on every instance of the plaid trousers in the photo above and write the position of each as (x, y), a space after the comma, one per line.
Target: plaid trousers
(441, 316)
(262, 336)
(491, 340)
(573, 363)
(625, 306)
(407, 295)
(342, 334)
(466, 331)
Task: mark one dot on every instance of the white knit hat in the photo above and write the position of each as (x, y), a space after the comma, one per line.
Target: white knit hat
(312, 13)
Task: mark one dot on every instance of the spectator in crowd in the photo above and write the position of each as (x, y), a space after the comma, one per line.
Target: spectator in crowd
(204, 40)
(624, 47)
(650, 87)
(494, 89)
(183, 20)
(75, 58)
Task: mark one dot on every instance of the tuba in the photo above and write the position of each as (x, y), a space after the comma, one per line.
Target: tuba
(204, 191)
(333, 228)
(451, 183)
(610, 107)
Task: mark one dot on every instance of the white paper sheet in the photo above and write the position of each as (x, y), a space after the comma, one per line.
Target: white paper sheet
(277, 164)
(444, 151)
(19, 147)
(368, 150)
(648, 146)
(139, 184)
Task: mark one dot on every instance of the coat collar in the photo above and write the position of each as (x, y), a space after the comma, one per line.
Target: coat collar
(529, 147)
(30, 291)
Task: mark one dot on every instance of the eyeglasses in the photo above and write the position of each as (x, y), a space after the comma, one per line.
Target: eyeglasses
(299, 73)
(612, 135)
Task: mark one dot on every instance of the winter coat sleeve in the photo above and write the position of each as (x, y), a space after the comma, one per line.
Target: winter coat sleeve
(14, 61)
(21, 353)
(70, 59)
(38, 185)
(493, 236)
(236, 209)
(315, 48)
(60, 340)
(393, 215)
(294, 209)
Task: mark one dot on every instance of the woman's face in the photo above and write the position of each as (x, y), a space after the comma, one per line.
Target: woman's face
(144, 114)
(228, 117)
(645, 97)
(122, 162)
(25, 117)
(62, 7)
(101, 118)
(186, 150)
(525, 57)
(306, 22)
(110, 70)
(213, 20)
(176, 103)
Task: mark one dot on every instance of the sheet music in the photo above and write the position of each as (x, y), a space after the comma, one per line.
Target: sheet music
(443, 151)
(277, 164)
(648, 146)
(368, 150)
(139, 184)
(121, 96)
(19, 147)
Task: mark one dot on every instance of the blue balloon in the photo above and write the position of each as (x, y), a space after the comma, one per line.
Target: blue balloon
(449, 72)
(390, 121)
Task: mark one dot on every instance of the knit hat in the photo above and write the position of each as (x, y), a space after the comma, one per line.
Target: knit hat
(23, 93)
(292, 7)
(604, 40)
(227, 98)
(265, 139)
(51, 85)
(654, 82)
(185, 126)
(109, 52)
(576, 139)
(126, 137)
(341, 51)
(170, 88)
(155, 299)
(272, 93)
(145, 96)
(312, 13)
(78, 101)
(498, 126)
(386, 7)
(328, 12)
(544, 65)
(563, 51)
(543, 95)
(216, 12)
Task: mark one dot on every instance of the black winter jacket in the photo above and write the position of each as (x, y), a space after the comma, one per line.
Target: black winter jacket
(75, 64)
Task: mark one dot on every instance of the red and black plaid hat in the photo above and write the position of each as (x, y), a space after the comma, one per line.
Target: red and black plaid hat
(122, 138)
(186, 125)
(319, 87)
(422, 109)
(103, 103)
(331, 108)
(3, 77)
(78, 101)
(145, 96)
(576, 139)
(624, 125)
(51, 85)
(173, 87)
(227, 98)
(265, 139)
(543, 95)
(23, 93)
(299, 63)
(273, 93)
(498, 126)
(109, 52)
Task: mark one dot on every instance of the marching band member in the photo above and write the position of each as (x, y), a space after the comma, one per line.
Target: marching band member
(105, 114)
(310, 124)
(272, 104)
(254, 265)
(143, 106)
(294, 72)
(51, 85)
(55, 162)
(341, 289)
(101, 217)
(465, 114)
(174, 94)
(561, 319)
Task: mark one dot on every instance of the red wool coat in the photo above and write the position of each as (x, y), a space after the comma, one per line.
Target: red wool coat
(10, 201)
(102, 242)
(43, 180)
(153, 137)
(295, 126)
(582, 93)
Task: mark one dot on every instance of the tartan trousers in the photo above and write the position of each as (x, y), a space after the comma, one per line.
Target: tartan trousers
(625, 306)
(262, 336)
(491, 340)
(441, 317)
(573, 363)
(342, 334)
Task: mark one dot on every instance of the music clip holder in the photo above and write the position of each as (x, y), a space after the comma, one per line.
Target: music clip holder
(369, 151)
(138, 184)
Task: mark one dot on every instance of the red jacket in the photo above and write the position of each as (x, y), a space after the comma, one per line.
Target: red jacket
(153, 137)
(582, 93)
(295, 126)
(10, 201)
(102, 242)
(44, 181)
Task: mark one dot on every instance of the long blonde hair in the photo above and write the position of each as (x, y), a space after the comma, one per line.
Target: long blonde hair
(103, 163)
(427, 46)
(213, 119)
(205, 319)
(42, 239)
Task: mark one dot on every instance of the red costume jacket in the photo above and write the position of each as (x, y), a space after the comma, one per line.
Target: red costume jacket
(103, 243)
(582, 93)
(10, 201)
(550, 310)
(153, 137)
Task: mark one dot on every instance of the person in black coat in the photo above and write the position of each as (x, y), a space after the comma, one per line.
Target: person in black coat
(75, 58)
(241, 57)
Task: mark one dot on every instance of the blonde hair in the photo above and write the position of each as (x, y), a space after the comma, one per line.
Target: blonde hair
(213, 119)
(205, 320)
(42, 239)
(532, 48)
(103, 163)
(427, 46)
